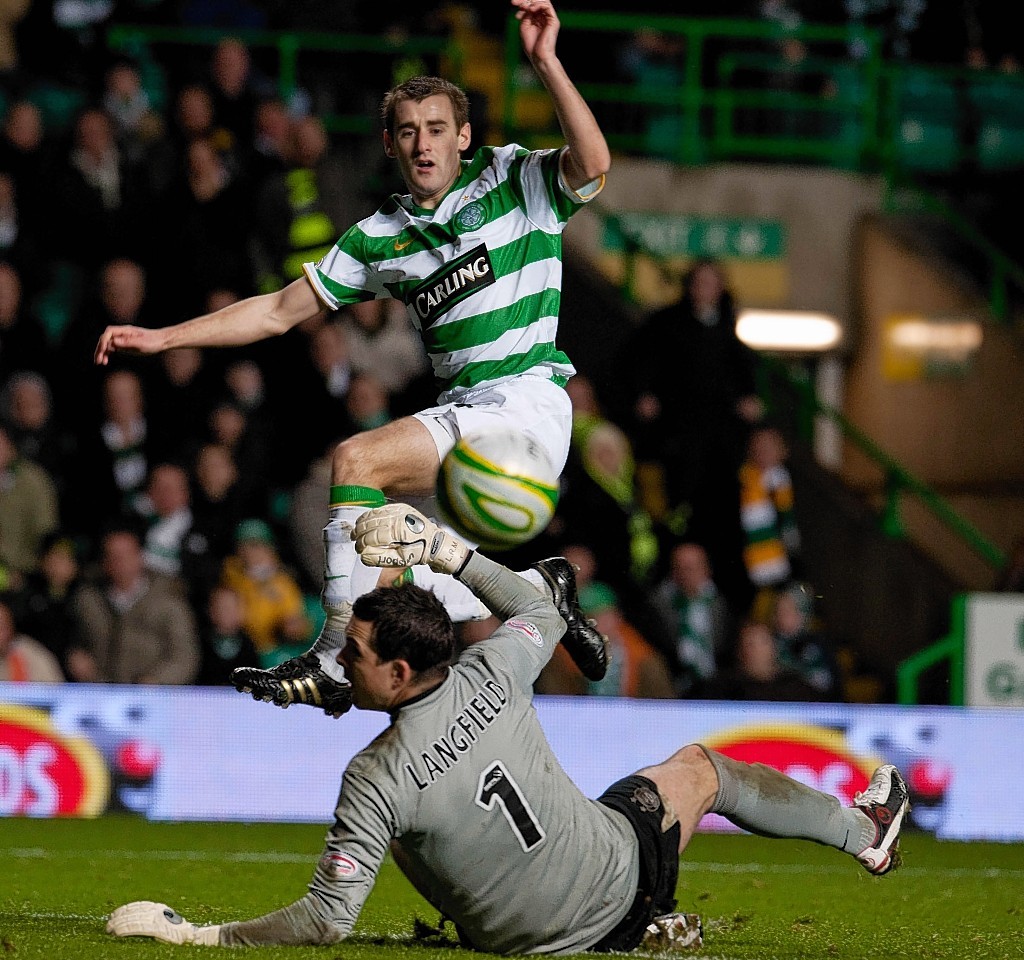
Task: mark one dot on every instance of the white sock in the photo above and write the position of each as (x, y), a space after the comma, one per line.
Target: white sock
(344, 576)
(460, 602)
(533, 576)
(340, 557)
(329, 664)
(332, 633)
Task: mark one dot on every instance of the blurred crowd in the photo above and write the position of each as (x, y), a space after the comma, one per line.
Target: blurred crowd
(160, 518)
(678, 507)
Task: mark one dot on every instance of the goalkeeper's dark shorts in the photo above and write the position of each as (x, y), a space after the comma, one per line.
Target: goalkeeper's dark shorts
(637, 799)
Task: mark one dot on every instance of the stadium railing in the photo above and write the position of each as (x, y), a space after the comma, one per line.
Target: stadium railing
(726, 90)
(949, 650)
(729, 92)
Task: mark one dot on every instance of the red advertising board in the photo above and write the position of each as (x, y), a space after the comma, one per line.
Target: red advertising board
(814, 755)
(46, 774)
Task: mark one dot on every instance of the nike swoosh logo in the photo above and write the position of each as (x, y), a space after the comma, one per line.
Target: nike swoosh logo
(402, 246)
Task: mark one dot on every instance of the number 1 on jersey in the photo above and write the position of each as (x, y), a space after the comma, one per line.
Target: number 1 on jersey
(498, 787)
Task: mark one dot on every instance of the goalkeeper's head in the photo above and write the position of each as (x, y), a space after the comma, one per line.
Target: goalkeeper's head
(400, 643)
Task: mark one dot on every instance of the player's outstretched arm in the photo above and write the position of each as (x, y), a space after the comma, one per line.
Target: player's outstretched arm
(298, 924)
(588, 157)
(235, 325)
(144, 918)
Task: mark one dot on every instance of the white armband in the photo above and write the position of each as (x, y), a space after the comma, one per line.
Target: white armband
(585, 193)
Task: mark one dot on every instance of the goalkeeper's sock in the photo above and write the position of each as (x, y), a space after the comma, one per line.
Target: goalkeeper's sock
(345, 578)
(766, 802)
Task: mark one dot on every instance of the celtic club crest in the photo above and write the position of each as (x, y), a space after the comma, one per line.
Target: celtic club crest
(470, 216)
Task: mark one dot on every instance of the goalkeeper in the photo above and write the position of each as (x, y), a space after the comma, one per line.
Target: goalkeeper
(464, 767)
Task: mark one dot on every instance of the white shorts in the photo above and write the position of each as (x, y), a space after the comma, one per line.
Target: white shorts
(535, 405)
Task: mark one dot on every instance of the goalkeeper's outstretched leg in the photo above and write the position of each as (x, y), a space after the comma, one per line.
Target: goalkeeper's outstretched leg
(696, 780)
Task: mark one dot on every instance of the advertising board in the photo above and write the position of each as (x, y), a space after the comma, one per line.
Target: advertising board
(201, 753)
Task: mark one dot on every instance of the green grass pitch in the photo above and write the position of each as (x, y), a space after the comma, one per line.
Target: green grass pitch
(760, 899)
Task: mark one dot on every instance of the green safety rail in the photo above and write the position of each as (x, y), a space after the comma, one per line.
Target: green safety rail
(911, 123)
(825, 105)
(950, 648)
(899, 482)
(690, 96)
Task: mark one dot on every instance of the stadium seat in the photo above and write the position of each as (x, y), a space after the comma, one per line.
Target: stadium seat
(928, 122)
(58, 105)
(57, 302)
(998, 105)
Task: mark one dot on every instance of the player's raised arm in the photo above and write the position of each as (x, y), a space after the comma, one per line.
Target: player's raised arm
(235, 325)
(588, 158)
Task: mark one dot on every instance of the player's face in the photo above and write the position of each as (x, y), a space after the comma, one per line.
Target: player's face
(426, 143)
(374, 681)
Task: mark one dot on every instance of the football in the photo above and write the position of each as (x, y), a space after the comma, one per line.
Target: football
(498, 488)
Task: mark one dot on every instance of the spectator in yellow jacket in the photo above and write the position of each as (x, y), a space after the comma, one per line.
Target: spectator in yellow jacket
(275, 611)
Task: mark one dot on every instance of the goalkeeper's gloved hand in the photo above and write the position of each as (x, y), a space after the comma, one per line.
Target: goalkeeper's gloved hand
(397, 535)
(143, 918)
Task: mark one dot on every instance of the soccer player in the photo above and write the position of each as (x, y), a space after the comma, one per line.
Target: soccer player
(474, 252)
(465, 790)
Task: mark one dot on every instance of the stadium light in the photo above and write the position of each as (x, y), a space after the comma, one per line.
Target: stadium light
(790, 331)
(917, 346)
(954, 336)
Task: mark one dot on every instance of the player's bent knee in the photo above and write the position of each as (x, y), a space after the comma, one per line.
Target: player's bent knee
(352, 462)
(398, 458)
(687, 779)
(694, 756)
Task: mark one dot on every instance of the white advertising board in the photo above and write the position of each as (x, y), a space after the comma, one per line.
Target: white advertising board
(994, 650)
(187, 753)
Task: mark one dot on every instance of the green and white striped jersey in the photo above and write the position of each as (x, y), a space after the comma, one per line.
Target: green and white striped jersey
(481, 275)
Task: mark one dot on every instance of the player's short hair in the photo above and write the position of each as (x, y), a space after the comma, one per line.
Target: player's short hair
(410, 624)
(419, 88)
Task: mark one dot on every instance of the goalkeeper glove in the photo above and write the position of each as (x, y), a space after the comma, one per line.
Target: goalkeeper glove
(397, 535)
(143, 918)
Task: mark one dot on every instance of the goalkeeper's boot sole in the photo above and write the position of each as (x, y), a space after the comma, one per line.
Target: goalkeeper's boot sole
(673, 931)
(587, 647)
(298, 680)
(886, 802)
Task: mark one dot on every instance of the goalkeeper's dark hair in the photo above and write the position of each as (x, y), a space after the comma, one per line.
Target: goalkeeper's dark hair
(410, 624)
(418, 89)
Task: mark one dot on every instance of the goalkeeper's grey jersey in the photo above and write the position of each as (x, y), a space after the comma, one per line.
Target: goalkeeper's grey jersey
(493, 830)
(480, 276)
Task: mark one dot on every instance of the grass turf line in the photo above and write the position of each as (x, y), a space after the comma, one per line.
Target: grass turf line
(760, 899)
